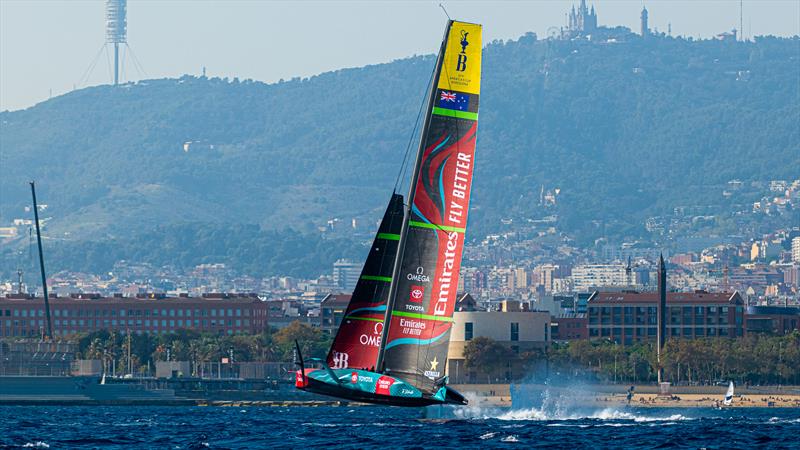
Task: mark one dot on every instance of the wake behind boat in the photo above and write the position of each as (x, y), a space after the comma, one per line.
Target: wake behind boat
(410, 278)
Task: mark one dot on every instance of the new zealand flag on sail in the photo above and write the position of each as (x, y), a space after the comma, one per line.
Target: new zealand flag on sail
(454, 100)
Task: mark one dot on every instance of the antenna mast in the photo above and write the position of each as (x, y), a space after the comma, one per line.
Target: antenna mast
(116, 29)
(741, 27)
(41, 263)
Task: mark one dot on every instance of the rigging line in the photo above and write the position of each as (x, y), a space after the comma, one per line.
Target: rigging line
(445, 11)
(122, 65)
(136, 62)
(88, 72)
(404, 165)
(108, 60)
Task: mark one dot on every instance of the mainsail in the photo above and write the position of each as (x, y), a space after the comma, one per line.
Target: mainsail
(425, 279)
(359, 336)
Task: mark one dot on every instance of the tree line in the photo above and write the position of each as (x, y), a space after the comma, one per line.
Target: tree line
(198, 348)
(760, 359)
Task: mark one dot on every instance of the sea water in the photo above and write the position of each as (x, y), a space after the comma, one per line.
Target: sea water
(394, 427)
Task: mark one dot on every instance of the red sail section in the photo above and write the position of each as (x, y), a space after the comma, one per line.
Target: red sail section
(358, 338)
(419, 331)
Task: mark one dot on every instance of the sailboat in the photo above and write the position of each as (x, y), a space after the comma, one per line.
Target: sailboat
(391, 347)
(728, 395)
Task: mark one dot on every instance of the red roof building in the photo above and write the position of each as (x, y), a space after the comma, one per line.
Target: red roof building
(145, 313)
(629, 316)
(569, 327)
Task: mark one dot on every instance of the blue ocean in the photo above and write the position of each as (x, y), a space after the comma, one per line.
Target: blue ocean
(386, 427)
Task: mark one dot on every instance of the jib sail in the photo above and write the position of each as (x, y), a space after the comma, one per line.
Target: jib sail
(359, 336)
(432, 239)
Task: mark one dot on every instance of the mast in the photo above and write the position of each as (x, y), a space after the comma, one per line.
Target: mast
(410, 201)
(41, 263)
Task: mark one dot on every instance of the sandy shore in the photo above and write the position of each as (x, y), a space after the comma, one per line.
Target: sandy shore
(653, 400)
(702, 400)
(500, 396)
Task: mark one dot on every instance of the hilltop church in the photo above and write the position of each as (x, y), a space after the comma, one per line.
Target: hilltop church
(582, 21)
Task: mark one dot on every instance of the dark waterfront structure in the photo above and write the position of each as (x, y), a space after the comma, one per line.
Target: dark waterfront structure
(777, 320)
(36, 358)
(24, 316)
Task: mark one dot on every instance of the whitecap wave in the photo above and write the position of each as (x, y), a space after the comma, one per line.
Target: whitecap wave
(536, 414)
(37, 444)
(774, 420)
(613, 414)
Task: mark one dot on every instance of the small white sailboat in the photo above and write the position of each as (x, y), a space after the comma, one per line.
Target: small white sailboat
(728, 395)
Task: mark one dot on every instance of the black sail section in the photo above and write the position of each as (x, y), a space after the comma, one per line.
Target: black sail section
(426, 284)
(358, 338)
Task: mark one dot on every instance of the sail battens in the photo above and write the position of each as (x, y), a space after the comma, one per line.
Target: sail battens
(421, 316)
(358, 338)
(389, 236)
(454, 113)
(376, 278)
(432, 226)
(368, 319)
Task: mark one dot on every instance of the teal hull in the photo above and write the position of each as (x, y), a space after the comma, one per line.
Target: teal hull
(371, 387)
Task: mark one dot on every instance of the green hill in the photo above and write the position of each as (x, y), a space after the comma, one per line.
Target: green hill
(160, 169)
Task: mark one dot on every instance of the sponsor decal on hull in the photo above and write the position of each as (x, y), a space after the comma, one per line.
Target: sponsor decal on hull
(383, 385)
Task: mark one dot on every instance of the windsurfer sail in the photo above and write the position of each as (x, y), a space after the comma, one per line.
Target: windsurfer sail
(392, 344)
(728, 395)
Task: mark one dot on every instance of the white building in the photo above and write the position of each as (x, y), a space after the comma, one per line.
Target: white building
(796, 249)
(345, 274)
(513, 326)
(589, 276)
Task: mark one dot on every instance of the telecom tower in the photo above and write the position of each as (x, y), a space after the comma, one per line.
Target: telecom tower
(116, 29)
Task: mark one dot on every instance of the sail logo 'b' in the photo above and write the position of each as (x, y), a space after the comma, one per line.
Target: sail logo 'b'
(340, 360)
(461, 64)
(461, 68)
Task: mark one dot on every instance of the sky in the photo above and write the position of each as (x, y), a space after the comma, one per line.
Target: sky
(47, 47)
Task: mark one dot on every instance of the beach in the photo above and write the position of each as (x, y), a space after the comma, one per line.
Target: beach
(502, 395)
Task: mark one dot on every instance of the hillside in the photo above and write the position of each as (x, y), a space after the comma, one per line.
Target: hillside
(626, 130)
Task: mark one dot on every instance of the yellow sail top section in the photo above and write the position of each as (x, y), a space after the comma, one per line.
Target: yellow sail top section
(461, 66)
